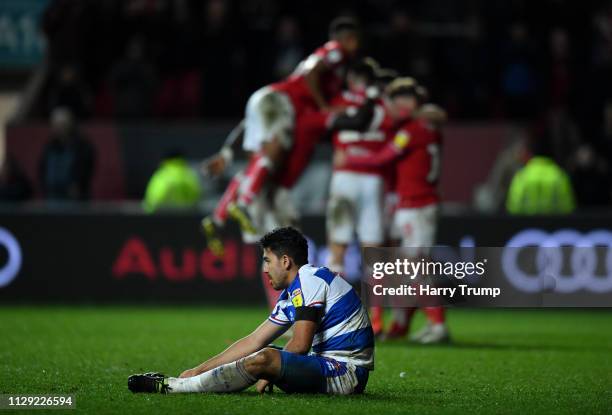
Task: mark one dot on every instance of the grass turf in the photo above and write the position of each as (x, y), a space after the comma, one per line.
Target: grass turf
(502, 361)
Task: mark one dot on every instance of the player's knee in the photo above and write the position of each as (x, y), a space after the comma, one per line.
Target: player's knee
(261, 361)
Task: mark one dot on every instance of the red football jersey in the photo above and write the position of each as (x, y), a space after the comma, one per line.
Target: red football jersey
(418, 165)
(415, 151)
(296, 87)
(364, 143)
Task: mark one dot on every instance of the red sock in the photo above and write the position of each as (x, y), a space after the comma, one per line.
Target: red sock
(255, 177)
(435, 314)
(271, 293)
(376, 316)
(229, 196)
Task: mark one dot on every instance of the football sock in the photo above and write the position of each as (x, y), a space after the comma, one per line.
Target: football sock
(435, 314)
(402, 316)
(255, 178)
(231, 377)
(376, 315)
(220, 212)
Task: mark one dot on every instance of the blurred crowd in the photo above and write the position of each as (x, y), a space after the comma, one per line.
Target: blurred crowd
(182, 58)
(548, 60)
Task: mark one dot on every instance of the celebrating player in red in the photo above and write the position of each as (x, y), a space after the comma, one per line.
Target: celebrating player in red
(415, 152)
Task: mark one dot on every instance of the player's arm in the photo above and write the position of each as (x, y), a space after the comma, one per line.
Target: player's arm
(257, 340)
(218, 162)
(313, 76)
(387, 154)
(353, 119)
(303, 333)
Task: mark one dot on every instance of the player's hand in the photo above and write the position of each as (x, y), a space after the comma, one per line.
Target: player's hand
(214, 166)
(339, 159)
(263, 386)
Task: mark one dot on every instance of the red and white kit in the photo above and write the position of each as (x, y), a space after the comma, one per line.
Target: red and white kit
(416, 152)
(283, 111)
(273, 109)
(356, 192)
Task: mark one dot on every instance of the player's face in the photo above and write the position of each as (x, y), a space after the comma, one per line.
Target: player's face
(276, 269)
(349, 42)
(356, 83)
(402, 107)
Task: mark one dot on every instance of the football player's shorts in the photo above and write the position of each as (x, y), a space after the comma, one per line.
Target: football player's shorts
(316, 374)
(355, 207)
(272, 208)
(269, 115)
(417, 228)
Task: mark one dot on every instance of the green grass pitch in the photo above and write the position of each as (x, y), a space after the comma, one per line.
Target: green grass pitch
(502, 361)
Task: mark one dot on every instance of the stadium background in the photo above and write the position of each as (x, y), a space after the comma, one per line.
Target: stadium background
(145, 77)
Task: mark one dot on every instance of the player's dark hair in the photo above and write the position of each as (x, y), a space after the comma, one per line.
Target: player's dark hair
(366, 67)
(343, 24)
(286, 241)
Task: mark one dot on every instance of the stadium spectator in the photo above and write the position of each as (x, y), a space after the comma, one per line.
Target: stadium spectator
(66, 166)
(559, 68)
(173, 185)
(591, 177)
(541, 187)
(518, 74)
(289, 51)
(222, 59)
(133, 82)
(70, 92)
(62, 25)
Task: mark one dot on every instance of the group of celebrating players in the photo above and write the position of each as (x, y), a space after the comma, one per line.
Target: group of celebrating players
(386, 138)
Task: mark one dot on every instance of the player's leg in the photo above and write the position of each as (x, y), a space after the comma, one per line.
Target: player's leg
(276, 119)
(340, 217)
(436, 316)
(314, 374)
(254, 129)
(369, 221)
(212, 224)
(418, 227)
(231, 377)
(402, 230)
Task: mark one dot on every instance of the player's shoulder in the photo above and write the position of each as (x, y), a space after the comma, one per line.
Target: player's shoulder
(310, 275)
(332, 45)
(415, 128)
(331, 52)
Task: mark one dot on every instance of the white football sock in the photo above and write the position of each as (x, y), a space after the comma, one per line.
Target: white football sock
(231, 377)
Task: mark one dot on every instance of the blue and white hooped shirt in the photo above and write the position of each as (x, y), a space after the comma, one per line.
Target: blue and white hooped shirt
(344, 332)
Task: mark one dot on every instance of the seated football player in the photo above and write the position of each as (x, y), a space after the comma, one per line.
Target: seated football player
(331, 350)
